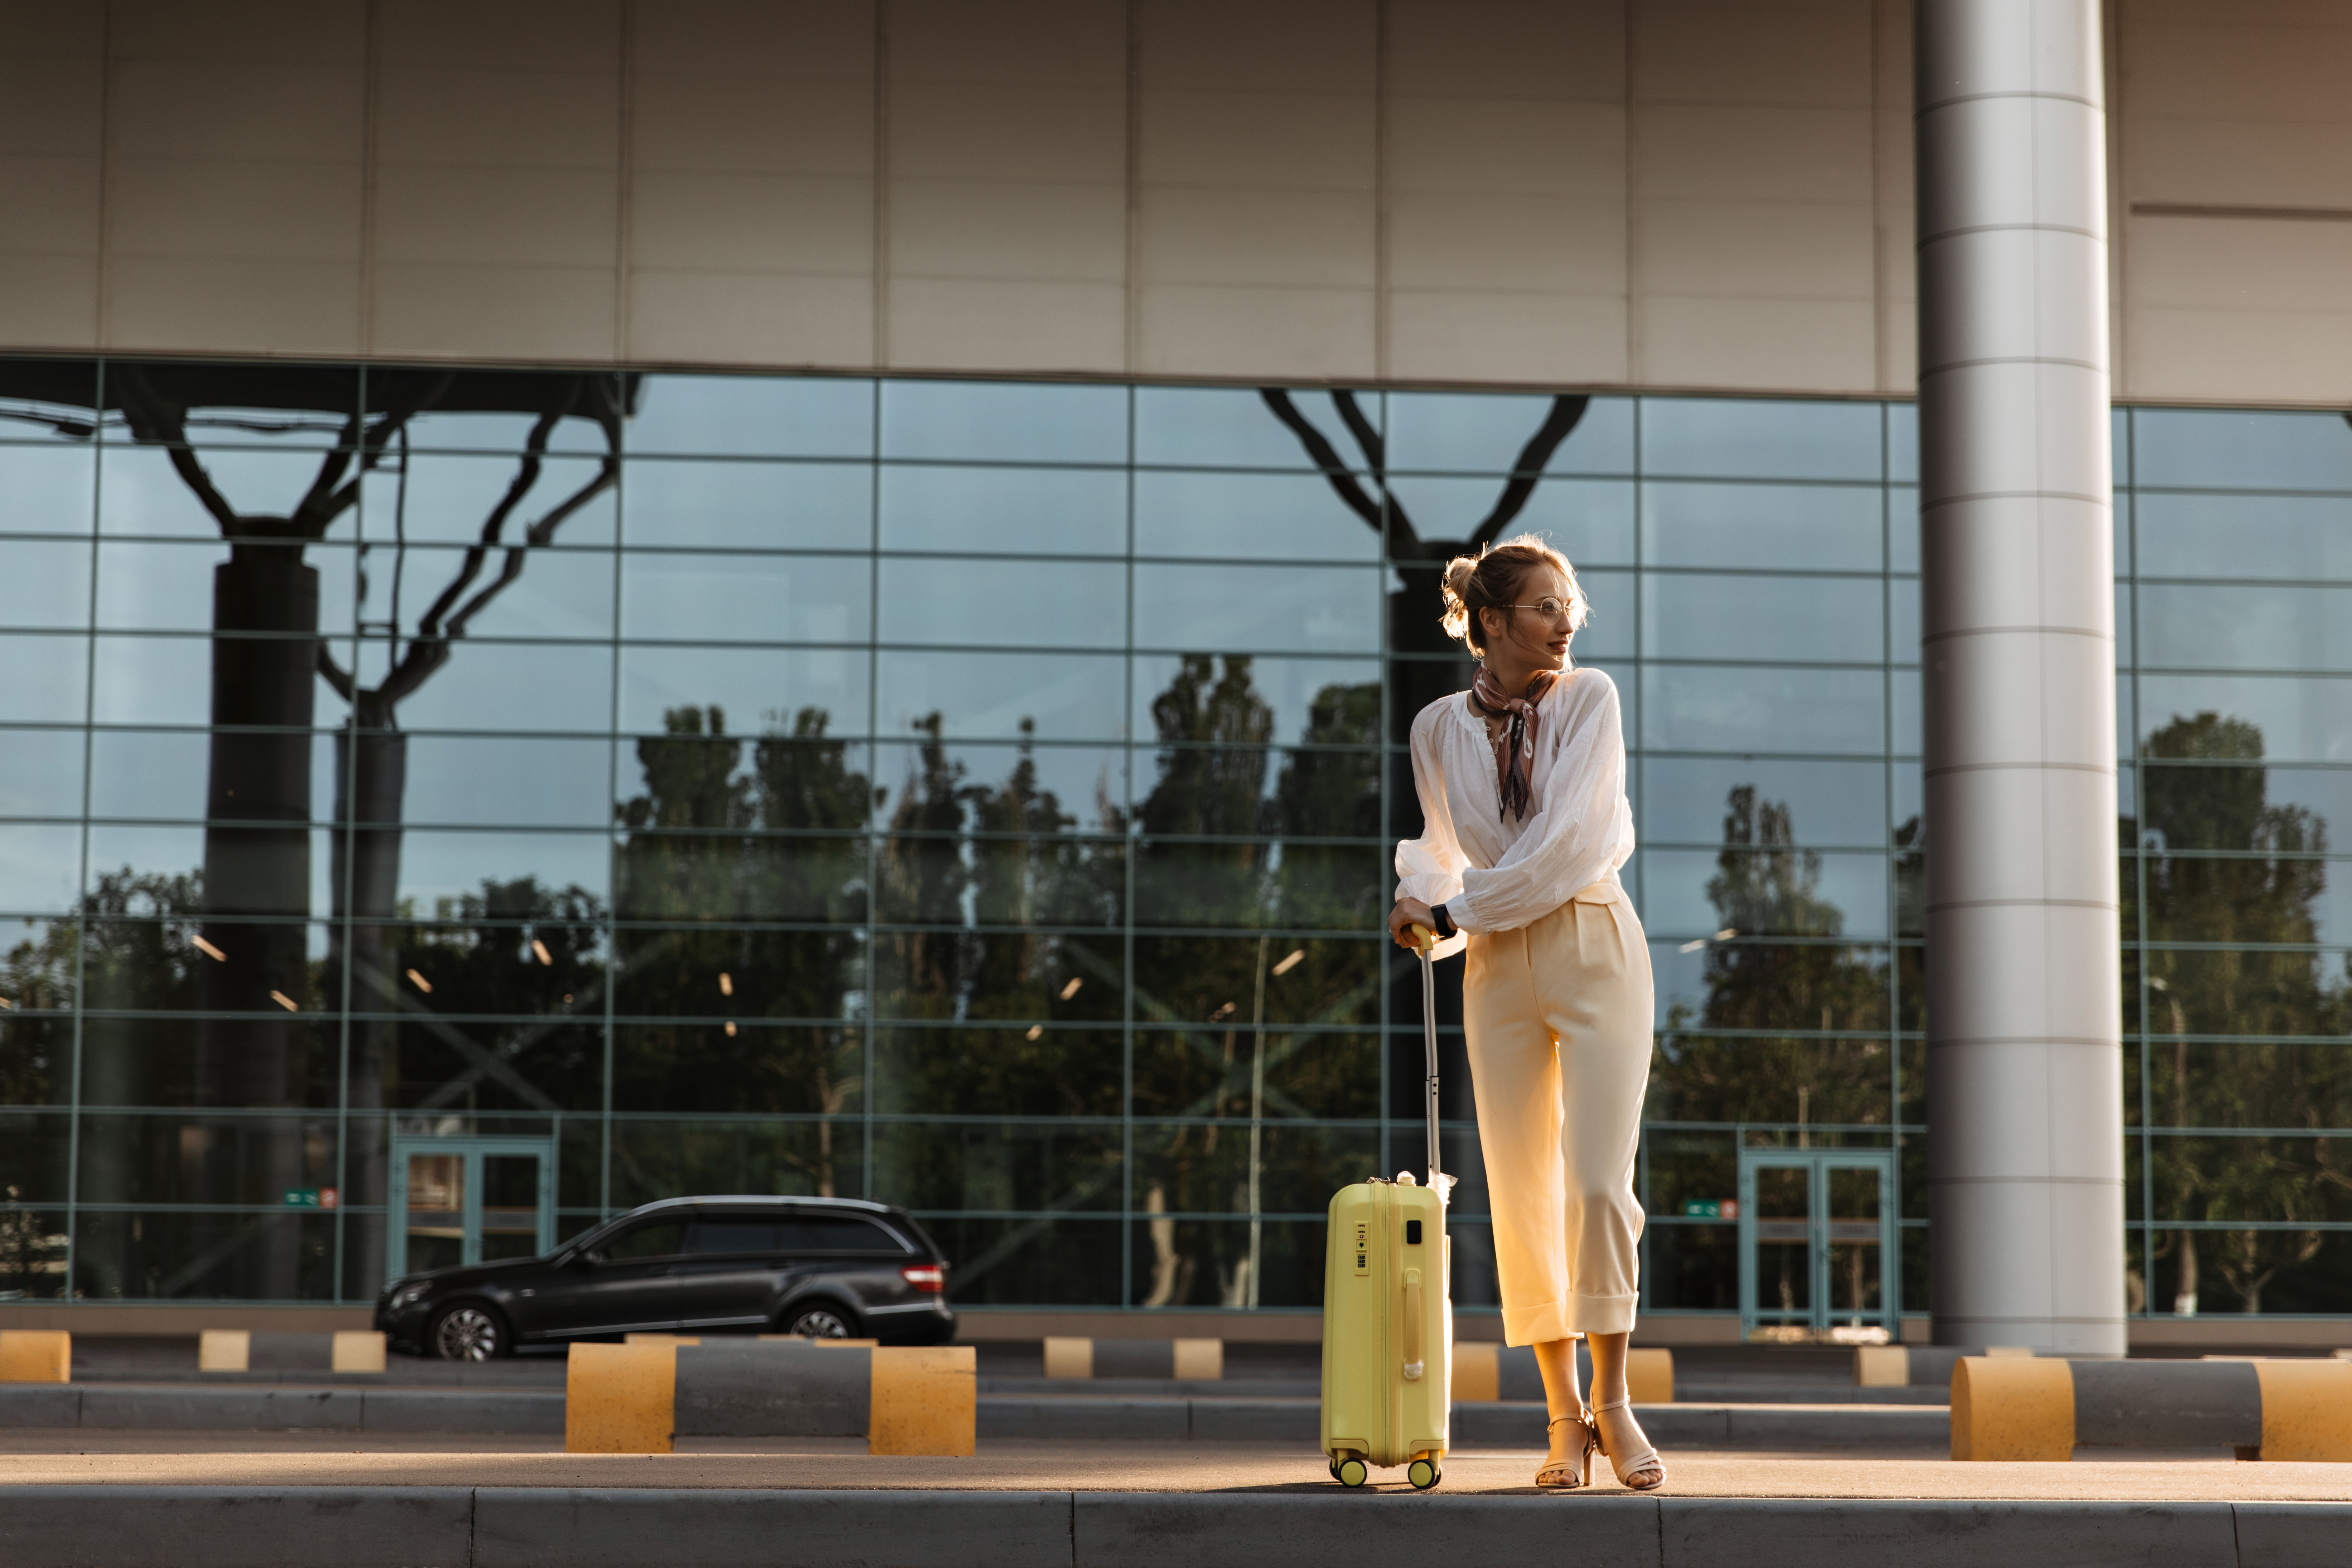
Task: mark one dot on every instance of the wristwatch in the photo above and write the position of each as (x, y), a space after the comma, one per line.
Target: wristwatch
(1445, 921)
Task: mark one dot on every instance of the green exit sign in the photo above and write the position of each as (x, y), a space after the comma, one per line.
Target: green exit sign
(1710, 1208)
(310, 1197)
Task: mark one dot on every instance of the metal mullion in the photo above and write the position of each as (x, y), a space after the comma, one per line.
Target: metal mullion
(81, 883)
(867, 1042)
(1126, 937)
(2139, 873)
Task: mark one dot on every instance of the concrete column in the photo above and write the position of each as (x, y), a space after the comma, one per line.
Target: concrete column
(2025, 1044)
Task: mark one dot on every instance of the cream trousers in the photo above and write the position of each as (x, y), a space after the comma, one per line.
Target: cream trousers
(1557, 1017)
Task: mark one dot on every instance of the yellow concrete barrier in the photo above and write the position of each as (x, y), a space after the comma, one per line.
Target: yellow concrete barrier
(639, 1398)
(1881, 1366)
(2013, 1408)
(1650, 1376)
(38, 1356)
(926, 1401)
(1477, 1373)
(2306, 1409)
(357, 1350)
(223, 1349)
(618, 1399)
(1202, 1360)
(1066, 1356)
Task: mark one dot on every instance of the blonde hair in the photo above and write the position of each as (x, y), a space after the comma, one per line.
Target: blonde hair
(1491, 579)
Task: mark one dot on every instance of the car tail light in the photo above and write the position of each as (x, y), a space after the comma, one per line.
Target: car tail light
(931, 1279)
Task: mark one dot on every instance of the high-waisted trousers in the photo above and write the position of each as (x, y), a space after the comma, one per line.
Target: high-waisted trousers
(1557, 1017)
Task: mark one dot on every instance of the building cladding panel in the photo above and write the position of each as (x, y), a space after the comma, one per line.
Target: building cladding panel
(1665, 195)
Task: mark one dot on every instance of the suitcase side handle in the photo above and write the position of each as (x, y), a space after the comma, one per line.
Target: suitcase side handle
(1413, 1362)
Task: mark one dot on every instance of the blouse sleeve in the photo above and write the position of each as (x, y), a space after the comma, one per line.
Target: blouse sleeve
(1430, 868)
(1572, 843)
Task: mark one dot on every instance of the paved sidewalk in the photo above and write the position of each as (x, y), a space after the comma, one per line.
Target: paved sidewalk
(282, 1460)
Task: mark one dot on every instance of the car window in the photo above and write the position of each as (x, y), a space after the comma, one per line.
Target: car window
(662, 1239)
(732, 1234)
(839, 1233)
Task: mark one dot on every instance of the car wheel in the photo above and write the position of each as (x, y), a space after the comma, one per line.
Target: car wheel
(467, 1332)
(820, 1323)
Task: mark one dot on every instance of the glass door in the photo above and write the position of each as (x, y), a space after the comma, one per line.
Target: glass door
(468, 1200)
(1817, 1257)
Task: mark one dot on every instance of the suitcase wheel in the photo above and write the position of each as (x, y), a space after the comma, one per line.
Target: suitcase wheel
(1350, 1471)
(1424, 1474)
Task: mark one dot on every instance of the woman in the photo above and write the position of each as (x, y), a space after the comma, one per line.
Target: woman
(1522, 782)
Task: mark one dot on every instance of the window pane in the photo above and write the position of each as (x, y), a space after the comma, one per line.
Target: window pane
(455, 500)
(1004, 695)
(2292, 538)
(1323, 701)
(1688, 893)
(504, 780)
(1073, 511)
(193, 1254)
(553, 594)
(757, 416)
(40, 773)
(748, 506)
(1703, 616)
(1686, 800)
(1782, 527)
(1728, 708)
(1209, 427)
(2238, 448)
(514, 687)
(1059, 604)
(1707, 1078)
(1004, 422)
(774, 690)
(1487, 433)
(2306, 719)
(46, 490)
(1051, 789)
(440, 867)
(656, 1158)
(1065, 1071)
(1060, 1165)
(1753, 438)
(745, 598)
(686, 876)
(1225, 516)
(1590, 521)
(1285, 609)
(2216, 625)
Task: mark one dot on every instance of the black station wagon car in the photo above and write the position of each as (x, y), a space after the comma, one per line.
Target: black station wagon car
(826, 1267)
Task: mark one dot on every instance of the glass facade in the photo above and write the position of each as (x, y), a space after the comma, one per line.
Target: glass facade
(428, 792)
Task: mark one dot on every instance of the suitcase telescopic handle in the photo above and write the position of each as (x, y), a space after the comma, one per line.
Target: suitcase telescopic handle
(1424, 940)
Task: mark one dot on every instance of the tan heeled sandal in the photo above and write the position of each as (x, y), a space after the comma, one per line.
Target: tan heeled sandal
(1631, 1464)
(1575, 1472)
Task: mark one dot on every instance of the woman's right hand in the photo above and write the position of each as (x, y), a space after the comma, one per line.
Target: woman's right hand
(1408, 913)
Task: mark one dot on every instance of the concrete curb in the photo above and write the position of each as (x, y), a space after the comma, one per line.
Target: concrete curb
(182, 1407)
(448, 1527)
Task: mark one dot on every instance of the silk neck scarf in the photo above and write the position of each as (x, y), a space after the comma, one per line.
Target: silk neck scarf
(1514, 748)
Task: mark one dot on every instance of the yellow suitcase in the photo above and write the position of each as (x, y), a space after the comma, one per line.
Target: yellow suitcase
(1387, 1314)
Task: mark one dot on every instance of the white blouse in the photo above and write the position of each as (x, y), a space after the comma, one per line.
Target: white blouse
(1495, 875)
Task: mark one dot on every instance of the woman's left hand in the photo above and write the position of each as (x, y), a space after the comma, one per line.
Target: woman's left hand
(1410, 912)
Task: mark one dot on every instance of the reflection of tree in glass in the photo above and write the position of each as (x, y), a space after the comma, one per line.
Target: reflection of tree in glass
(2240, 877)
(1765, 886)
(1254, 860)
(748, 1019)
(266, 656)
